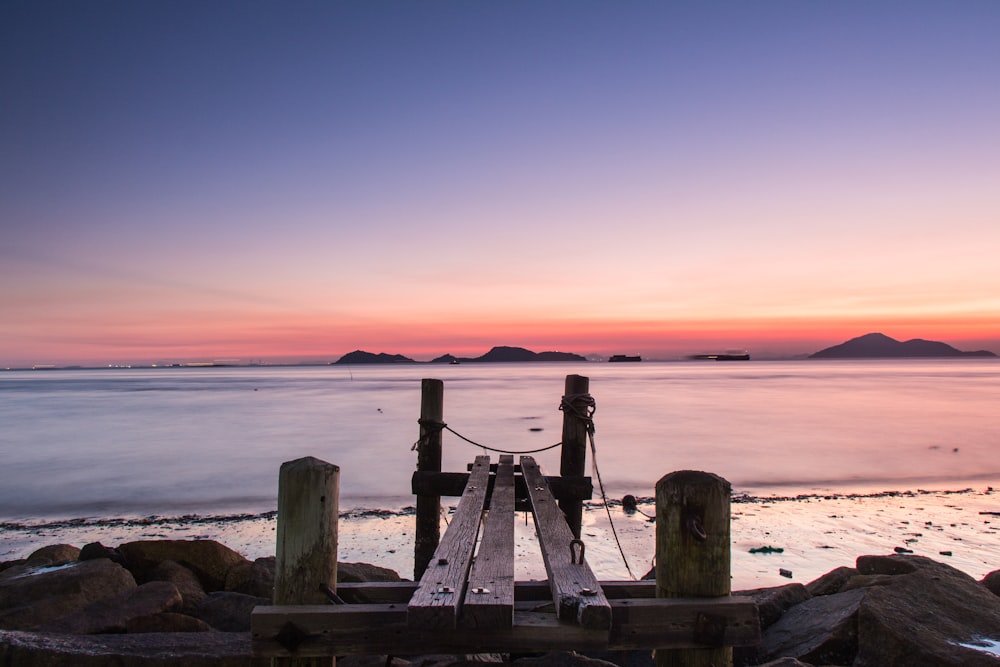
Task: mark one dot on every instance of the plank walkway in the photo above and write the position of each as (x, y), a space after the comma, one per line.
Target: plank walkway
(467, 600)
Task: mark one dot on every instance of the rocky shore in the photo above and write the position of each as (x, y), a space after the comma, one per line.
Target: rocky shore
(173, 602)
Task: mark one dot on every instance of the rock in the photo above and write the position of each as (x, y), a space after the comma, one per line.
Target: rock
(229, 612)
(167, 621)
(822, 630)
(924, 615)
(888, 564)
(55, 554)
(51, 556)
(12, 563)
(184, 579)
(112, 614)
(256, 578)
(163, 649)
(992, 582)
(96, 550)
(831, 582)
(41, 596)
(363, 573)
(773, 602)
(208, 559)
(866, 581)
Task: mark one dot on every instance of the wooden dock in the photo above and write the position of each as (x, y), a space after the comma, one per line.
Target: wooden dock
(465, 599)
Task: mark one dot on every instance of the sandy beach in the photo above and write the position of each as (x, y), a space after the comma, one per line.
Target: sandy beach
(809, 534)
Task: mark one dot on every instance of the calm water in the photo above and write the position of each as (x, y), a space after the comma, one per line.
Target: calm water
(210, 440)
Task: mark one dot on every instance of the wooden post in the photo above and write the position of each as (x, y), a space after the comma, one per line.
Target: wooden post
(693, 557)
(306, 554)
(573, 461)
(428, 529)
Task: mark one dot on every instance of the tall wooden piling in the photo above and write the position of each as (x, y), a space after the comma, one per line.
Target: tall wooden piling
(306, 551)
(428, 522)
(693, 557)
(573, 461)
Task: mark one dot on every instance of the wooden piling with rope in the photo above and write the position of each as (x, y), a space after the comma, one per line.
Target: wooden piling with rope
(465, 599)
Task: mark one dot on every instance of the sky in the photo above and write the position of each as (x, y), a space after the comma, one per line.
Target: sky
(187, 181)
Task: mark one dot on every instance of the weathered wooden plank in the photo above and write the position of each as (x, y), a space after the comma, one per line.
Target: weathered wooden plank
(438, 599)
(319, 630)
(524, 591)
(575, 589)
(684, 623)
(489, 600)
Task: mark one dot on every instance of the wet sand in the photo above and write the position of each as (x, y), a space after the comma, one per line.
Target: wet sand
(814, 533)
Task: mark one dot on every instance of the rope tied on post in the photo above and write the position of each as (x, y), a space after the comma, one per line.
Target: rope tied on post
(431, 427)
(581, 406)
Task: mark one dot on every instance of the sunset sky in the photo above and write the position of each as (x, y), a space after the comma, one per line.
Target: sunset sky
(260, 180)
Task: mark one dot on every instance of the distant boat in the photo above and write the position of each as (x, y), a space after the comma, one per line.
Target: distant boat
(731, 355)
(624, 357)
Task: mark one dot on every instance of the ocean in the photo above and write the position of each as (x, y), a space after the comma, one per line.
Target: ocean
(169, 441)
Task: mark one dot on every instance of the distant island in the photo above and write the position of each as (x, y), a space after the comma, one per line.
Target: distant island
(497, 354)
(880, 346)
(362, 357)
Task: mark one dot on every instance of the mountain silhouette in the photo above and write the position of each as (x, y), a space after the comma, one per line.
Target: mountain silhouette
(880, 346)
(504, 353)
(362, 357)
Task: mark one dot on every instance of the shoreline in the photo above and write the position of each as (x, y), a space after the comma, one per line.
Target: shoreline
(806, 534)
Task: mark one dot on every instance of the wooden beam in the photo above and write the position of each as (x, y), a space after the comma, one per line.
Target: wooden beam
(354, 629)
(386, 592)
(489, 600)
(575, 589)
(437, 601)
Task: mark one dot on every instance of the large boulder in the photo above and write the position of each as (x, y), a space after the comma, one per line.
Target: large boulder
(54, 554)
(187, 583)
(822, 630)
(930, 614)
(45, 557)
(992, 582)
(364, 573)
(208, 559)
(831, 582)
(229, 612)
(256, 578)
(773, 602)
(896, 610)
(113, 614)
(39, 597)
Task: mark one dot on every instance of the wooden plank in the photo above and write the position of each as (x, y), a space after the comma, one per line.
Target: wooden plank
(639, 624)
(438, 599)
(684, 623)
(524, 591)
(489, 600)
(575, 589)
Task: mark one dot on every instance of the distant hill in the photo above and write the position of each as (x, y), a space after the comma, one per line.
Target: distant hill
(362, 357)
(508, 354)
(880, 346)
